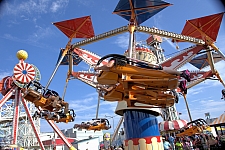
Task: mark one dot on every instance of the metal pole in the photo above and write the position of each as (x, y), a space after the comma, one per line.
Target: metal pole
(131, 39)
(117, 129)
(218, 51)
(59, 62)
(112, 117)
(16, 117)
(53, 74)
(130, 52)
(64, 91)
(210, 60)
(70, 63)
(32, 124)
(98, 106)
(189, 114)
(113, 123)
(7, 96)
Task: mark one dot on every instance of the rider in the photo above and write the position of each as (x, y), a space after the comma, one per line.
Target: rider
(223, 94)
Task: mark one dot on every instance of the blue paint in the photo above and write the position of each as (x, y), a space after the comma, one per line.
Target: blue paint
(140, 124)
(24, 72)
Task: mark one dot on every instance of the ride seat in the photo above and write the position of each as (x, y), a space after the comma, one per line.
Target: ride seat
(164, 101)
(107, 78)
(66, 119)
(31, 95)
(41, 102)
(113, 95)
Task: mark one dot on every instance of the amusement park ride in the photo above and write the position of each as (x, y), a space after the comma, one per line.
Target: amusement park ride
(143, 81)
(193, 127)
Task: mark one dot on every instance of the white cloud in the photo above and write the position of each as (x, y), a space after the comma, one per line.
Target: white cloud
(32, 7)
(194, 90)
(95, 94)
(55, 6)
(28, 7)
(169, 42)
(34, 38)
(123, 41)
(4, 74)
(40, 33)
(86, 3)
(206, 105)
(220, 42)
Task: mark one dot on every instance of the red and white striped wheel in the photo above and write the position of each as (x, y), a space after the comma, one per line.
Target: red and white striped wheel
(24, 72)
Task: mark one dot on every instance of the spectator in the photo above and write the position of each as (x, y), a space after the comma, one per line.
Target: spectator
(171, 140)
(178, 145)
(166, 144)
(186, 145)
(191, 144)
(212, 142)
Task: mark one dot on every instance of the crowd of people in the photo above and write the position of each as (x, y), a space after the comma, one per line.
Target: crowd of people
(195, 142)
(113, 148)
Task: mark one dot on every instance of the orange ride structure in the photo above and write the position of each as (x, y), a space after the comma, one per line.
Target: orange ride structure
(203, 53)
(143, 81)
(194, 127)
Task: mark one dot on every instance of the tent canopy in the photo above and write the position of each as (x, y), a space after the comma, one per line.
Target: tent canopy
(219, 121)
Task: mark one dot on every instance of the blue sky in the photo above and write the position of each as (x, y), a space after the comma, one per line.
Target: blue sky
(27, 24)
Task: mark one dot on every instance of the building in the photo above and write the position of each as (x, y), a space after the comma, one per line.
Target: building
(80, 134)
(87, 144)
(57, 143)
(78, 137)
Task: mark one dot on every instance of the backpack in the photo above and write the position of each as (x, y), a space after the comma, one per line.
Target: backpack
(186, 75)
(223, 94)
(183, 86)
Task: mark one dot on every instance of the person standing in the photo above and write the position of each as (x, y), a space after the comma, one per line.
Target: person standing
(171, 140)
(178, 145)
(166, 144)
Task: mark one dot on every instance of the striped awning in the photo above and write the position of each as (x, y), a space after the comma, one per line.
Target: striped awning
(172, 125)
(219, 120)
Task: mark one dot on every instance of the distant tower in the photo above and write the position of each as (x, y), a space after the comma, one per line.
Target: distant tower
(154, 43)
(207, 115)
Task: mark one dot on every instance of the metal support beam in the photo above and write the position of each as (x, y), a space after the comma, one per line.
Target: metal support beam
(117, 129)
(97, 109)
(175, 36)
(163, 33)
(7, 96)
(16, 116)
(32, 124)
(61, 135)
(218, 51)
(210, 60)
(189, 113)
(101, 36)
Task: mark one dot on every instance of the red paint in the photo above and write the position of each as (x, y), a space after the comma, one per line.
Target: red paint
(148, 140)
(89, 57)
(182, 58)
(201, 75)
(202, 27)
(153, 38)
(57, 142)
(83, 75)
(76, 28)
(172, 125)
